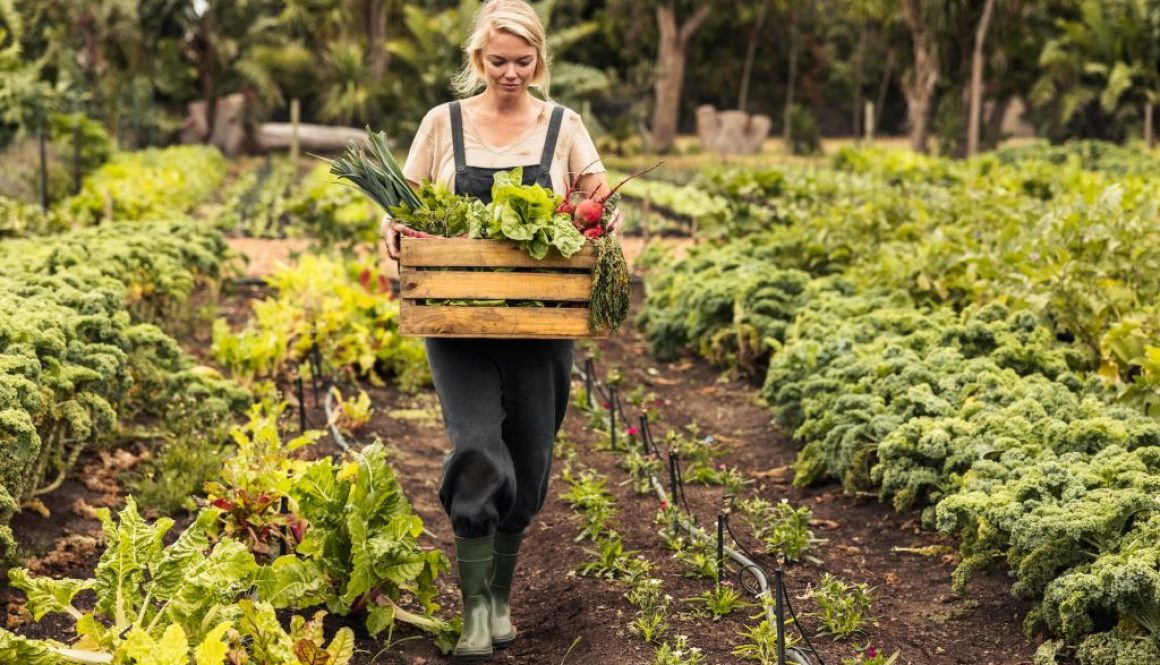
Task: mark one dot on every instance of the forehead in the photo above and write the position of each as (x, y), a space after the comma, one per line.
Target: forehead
(508, 46)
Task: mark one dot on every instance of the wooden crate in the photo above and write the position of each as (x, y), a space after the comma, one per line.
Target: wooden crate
(463, 269)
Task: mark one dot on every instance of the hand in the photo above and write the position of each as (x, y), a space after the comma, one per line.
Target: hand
(613, 227)
(389, 229)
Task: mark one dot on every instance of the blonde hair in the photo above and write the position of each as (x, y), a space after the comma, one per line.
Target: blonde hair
(515, 17)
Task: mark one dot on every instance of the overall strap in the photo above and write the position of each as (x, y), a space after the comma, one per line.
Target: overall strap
(550, 140)
(457, 137)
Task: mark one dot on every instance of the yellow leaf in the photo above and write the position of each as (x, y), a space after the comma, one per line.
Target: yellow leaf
(213, 649)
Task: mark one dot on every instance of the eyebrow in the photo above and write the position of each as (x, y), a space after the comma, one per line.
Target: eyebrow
(522, 57)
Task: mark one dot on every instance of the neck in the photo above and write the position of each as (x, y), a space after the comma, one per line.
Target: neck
(503, 104)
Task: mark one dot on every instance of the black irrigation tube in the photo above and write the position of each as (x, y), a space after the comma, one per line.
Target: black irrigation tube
(774, 615)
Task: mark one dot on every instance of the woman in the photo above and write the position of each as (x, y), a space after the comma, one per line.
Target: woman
(504, 399)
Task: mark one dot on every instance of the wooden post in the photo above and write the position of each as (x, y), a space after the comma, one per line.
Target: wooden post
(869, 122)
(294, 117)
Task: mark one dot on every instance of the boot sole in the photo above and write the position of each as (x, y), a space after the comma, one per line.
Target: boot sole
(503, 642)
(472, 654)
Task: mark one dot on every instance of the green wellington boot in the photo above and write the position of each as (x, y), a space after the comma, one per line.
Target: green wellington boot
(475, 562)
(507, 550)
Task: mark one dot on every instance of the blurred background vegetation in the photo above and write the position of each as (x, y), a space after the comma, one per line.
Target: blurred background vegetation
(124, 72)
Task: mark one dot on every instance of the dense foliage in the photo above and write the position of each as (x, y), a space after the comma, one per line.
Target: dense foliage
(78, 355)
(977, 339)
(344, 311)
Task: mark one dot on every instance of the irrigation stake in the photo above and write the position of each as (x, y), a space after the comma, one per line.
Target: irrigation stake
(720, 545)
(315, 361)
(612, 415)
(301, 403)
(589, 370)
(779, 589)
(644, 437)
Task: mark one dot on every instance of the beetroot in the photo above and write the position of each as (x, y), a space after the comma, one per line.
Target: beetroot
(590, 211)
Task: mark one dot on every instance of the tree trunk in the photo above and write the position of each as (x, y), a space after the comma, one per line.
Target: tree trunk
(859, 57)
(976, 105)
(377, 37)
(670, 70)
(750, 52)
(919, 84)
(1149, 133)
(786, 130)
(208, 92)
(880, 101)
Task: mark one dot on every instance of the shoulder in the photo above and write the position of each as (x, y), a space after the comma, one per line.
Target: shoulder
(571, 122)
(438, 116)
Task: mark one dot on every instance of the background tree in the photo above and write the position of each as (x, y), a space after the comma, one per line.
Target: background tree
(676, 25)
(976, 90)
(921, 81)
(1100, 74)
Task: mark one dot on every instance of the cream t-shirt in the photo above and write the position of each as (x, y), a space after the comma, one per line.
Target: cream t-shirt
(432, 156)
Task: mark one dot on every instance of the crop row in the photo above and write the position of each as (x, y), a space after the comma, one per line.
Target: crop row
(77, 355)
(949, 360)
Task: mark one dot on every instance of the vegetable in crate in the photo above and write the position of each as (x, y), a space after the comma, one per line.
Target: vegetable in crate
(378, 176)
(441, 212)
(528, 215)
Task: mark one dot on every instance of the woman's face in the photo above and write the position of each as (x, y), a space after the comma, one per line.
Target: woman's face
(509, 62)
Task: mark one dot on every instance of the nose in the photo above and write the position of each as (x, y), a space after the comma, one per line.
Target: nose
(509, 72)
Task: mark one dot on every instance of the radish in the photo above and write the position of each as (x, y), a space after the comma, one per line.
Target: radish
(590, 211)
(566, 205)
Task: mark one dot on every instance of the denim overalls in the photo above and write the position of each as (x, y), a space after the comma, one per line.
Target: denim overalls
(503, 400)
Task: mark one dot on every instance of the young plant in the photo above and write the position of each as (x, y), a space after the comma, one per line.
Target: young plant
(761, 639)
(594, 504)
(719, 602)
(784, 529)
(255, 485)
(651, 622)
(641, 468)
(353, 414)
(868, 655)
(700, 559)
(679, 653)
(611, 561)
(842, 606)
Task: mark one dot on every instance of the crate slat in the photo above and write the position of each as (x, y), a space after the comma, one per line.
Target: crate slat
(466, 253)
(493, 322)
(487, 285)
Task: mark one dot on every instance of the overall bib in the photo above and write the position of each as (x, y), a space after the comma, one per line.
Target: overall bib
(503, 400)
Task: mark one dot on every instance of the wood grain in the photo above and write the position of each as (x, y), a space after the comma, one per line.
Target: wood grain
(494, 322)
(488, 285)
(465, 253)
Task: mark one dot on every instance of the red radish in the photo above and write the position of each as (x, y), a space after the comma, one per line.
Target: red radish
(593, 232)
(566, 205)
(591, 211)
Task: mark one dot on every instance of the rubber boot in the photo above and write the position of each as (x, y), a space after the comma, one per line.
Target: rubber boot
(475, 561)
(506, 551)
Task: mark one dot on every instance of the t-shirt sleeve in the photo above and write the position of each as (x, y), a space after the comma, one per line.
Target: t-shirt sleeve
(420, 164)
(583, 155)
